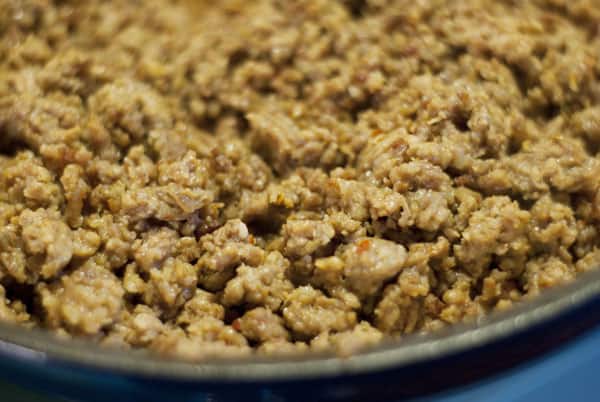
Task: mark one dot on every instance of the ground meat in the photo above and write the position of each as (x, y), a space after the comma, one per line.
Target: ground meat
(171, 285)
(284, 145)
(543, 273)
(368, 263)
(280, 347)
(36, 244)
(85, 301)
(349, 342)
(225, 249)
(308, 312)
(304, 237)
(397, 311)
(155, 248)
(129, 110)
(276, 177)
(202, 304)
(115, 235)
(25, 181)
(265, 285)
(498, 229)
(138, 328)
(12, 311)
(76, 191)
(261, 325)
(210, 338)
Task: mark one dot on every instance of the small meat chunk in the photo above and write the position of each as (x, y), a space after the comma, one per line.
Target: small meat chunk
(543, 273)
(498, 290)
(117, 239)
(265, 285)
(397, 312)
(369, 263)
(281, 347)
(154, 248)
(137, 328)
(553, 225)
(76, 192)
(361, 201)
(429, 210)
(145, 326)
(589, 261)
(587, 124)
(170, 202)
(129, 110)
(202, 304)
(459, 304)
(204, 339)
(224, 250)
(308, 312)
(171, 285)
(285, 145)
(304, 237)
(48, 242)
(25, 180)
(498, 228)
(13, 311)
(84, 301)
(262, 325)
(350, 342)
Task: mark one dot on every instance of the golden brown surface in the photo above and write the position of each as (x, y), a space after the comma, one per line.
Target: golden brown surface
(277, 176)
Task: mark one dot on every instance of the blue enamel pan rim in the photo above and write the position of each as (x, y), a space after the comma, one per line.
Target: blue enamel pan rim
(39, 348)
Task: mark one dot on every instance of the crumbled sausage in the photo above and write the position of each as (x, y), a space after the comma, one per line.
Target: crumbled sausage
(326, 175)
(85, 301)
(304, 237)
(261, 325)
(368, 263)
(155, 248)
(308, 312)
(171, 285)
(348, 342)
(397, 311)
(47, 242)
(202, 304)
(224, 250)
(265, 285)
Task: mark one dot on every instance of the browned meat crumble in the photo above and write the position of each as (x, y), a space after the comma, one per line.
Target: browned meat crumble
(280, 176)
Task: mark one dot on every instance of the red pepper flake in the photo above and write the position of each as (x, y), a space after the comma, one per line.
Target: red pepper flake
(376, 132)
(236, 325)
(363, 246)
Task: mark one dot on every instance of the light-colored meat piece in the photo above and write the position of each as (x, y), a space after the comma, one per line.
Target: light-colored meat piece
(224, 250)
(262, 325)
(265, 285)
(84, 301)
(308, 312)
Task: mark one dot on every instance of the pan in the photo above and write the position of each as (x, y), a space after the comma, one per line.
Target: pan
(414, 366)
